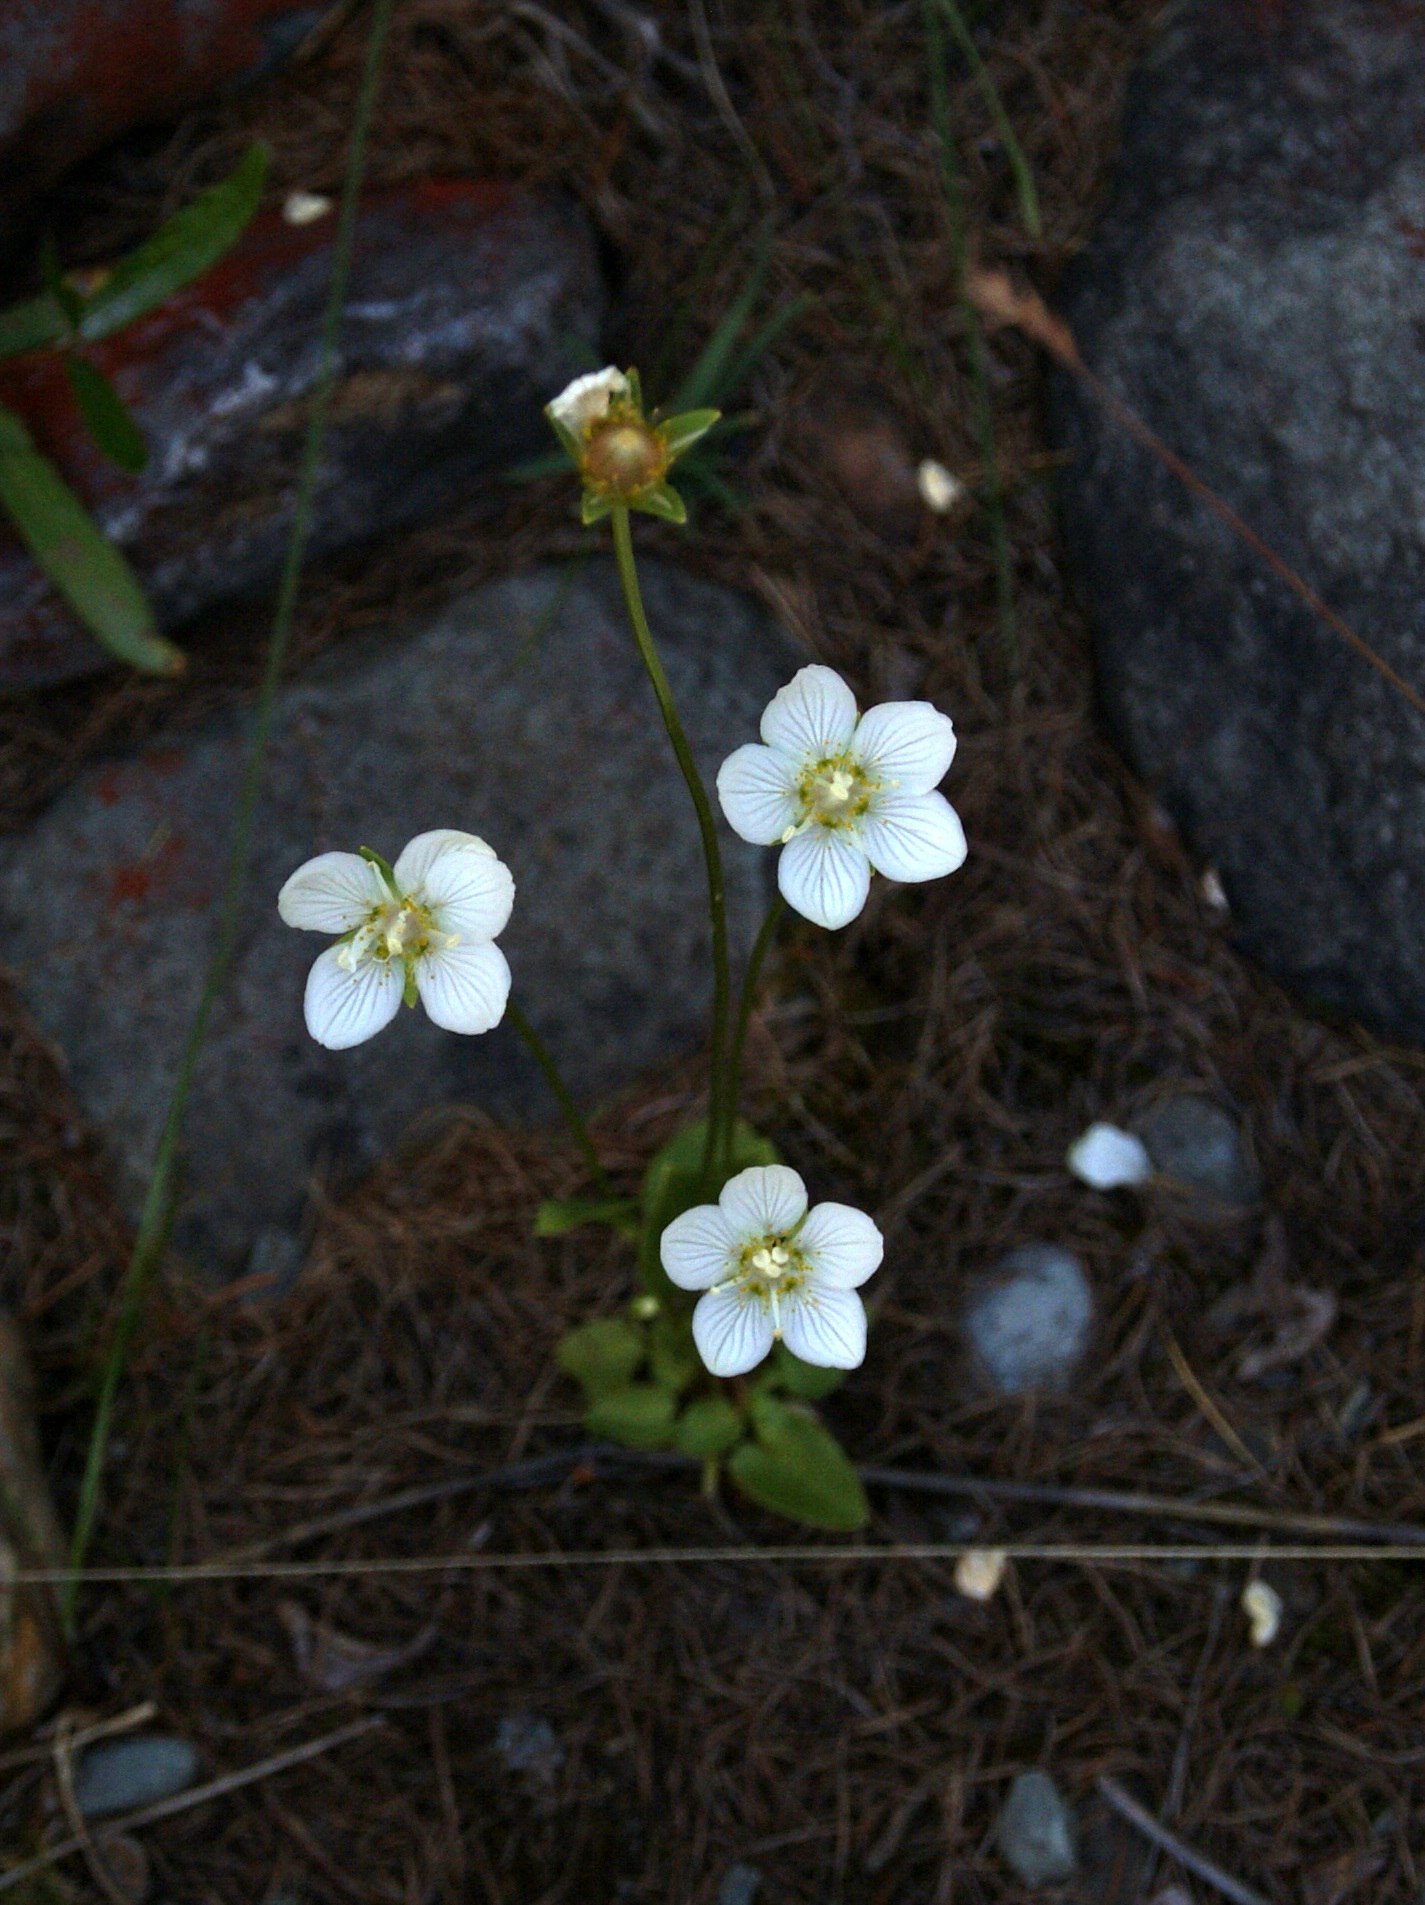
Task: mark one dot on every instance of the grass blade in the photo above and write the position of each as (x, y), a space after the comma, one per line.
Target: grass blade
(1014, 152)
(107, 415)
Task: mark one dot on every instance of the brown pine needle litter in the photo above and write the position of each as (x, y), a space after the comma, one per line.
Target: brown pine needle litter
(844, 1721)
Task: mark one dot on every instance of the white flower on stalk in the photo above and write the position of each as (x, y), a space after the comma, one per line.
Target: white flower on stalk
(844, 794)
(587, 399)
(421, 929)
(771, 1269)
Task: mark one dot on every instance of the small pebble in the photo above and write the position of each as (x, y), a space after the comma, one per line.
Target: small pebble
(1105, 1157)
(979, 1572)
(1029, 1325)
(305, 208)
(117, 1775)
(1198, 1144)
(1035, 1831)
(740, 1885)
(939, 489)
(1263, 1607)
(528, 1744)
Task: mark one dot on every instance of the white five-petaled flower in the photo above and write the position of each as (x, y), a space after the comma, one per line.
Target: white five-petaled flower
(769, 1268)
(587, 399)
(422, 928)
(844, 794)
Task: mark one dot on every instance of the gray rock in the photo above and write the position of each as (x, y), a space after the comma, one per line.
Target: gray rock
(117, 1775)
(741, 1885)
(1028, 1324)
(521, 713)
(529, 1744)
(1256, 292)
(1035, 1831)
(1196, 1143)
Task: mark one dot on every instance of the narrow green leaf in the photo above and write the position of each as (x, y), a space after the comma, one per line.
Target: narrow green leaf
(662, 501)
(557, 1216)
(88, 571)
(708, 1427)
(179, 251)
(762, 340)
(705, 383)
(31, 325)
(640, 1416)
(1014, 152)
(795, 1468)
(602, 1356)
(673, 1183)
(64, 294)
(803, 1379)
(107, 415)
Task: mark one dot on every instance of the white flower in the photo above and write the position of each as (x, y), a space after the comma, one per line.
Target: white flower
(1106, 1157)
(939, 490)
(844, 795)
(770, 1269)
(586, 401)
(421, 928)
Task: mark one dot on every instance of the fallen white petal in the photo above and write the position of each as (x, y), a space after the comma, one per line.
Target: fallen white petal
(756, 787)
(813, 717)
(1106, 1157)
(331, 894)
(464, 988)
(1263, 1607)
(764, 1200)
(842, 1244)
(907, 744)
(699, 1248)
(471, 892)
(732, 1332)
(824, 876)
(826, 1327)
(939, 489)
(344, 1008)
(912, 836)
(979, 1572)
(305, 208)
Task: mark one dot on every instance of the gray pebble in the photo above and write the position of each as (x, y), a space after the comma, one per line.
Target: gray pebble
(528, 1744)
(740, 1886)
(1028, 1325)
(1035, 1831)
(117, 1775)
(1196, 1143)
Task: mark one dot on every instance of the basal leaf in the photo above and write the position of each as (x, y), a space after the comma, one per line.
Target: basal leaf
(795, 1468)
(640, 1416)
(602, 1356)
(106, 414)
(29, 326)
(673, 1183)
(557, 1216)
(708, 1427)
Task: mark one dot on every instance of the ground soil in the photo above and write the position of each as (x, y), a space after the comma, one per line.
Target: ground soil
(850, 1728)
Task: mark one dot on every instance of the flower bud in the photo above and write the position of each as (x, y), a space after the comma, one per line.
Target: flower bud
(624, 458)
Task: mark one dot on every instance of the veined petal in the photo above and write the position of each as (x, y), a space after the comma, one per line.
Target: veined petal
(825, 1326)
(842, 1245)
(764, 1200)
(331, 894)
(464, 988)
(345, 1006)
(757, 789)
(908, 744)
(469, 892)
(813, 717)
(912, 836)
(825, 876)
(733, 1331)
(416, 856)
(699, 1248)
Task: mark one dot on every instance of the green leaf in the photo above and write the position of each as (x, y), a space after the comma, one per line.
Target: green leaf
(803, 1379)
(681, 433)
(592, 508)
(88, 571)
(31, 325)
(568, 442)
(795, 1468)
(708, 1427)
(706, 382)
(602, 1355)
(179, 251)
(107, 415)
(557, 1216)
(672, 1358)
(640, 1416)
(662, 501)
(673, 1183)
(64, 294)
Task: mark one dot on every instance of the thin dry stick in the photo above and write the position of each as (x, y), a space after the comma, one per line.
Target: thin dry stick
(1169, 1842)
(1209, 1408)
(78, 1824)
(83, 1736)
(722, 99)
(198, 1796)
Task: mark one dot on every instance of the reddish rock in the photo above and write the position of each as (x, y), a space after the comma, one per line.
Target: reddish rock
(467, 307)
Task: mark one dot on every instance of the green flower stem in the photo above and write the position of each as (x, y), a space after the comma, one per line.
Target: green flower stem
(158, 1198)
(573, 1117)
(744, 1012)
(712, 856)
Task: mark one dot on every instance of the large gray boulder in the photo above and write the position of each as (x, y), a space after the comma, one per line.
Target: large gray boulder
(1256, 292)
(521, 713)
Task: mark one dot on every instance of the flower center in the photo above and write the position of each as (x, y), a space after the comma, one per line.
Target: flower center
(403, 930)
(768, 1271)
(832, 793)
(624, 458)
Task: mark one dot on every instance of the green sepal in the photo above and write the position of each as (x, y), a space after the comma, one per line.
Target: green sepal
(662, 501)
(570, 444)
(640, 1416)
(681, 433)
(410, 991)
(795, 1468)
(106, 413)
(593, 508)
(635, 389)
(708, 1427)
(382, 866)
(672, 1359)
(807, 1380)
(673, 1183)
(557, 1216)
(601, 1356)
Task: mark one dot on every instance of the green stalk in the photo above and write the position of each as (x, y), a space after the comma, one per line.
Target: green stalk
(563, 1097)
(712, 856)
(158, 1199)
(744, 1012)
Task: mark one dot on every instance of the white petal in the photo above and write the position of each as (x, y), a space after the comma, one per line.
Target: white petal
(907, 743)
(825, 876)
(756, 787)
(344, 1008)
(331, 894)
(813, 717)
(464, 988)
(825, 1326)
(912, 836)
(733, 1332)
(416, 856)
(764, 1200)
(470, 893)
(587, 399)
(1105, 1157)
(699, 1248)
(842, 1244)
